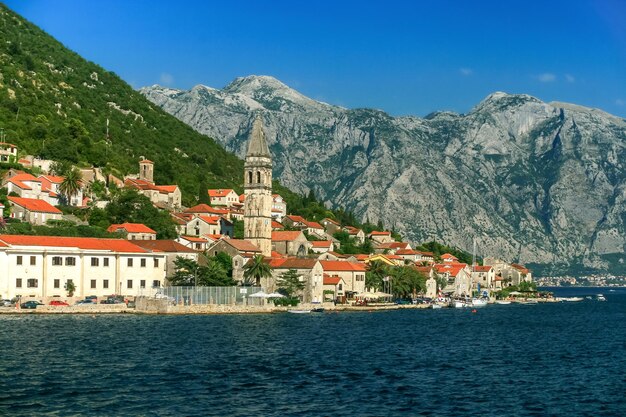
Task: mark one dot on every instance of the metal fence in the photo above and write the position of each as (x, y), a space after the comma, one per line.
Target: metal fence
(206, 295)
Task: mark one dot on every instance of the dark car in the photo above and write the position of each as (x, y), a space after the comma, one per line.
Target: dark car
(85, 301)
(91, 297)
(31, 305)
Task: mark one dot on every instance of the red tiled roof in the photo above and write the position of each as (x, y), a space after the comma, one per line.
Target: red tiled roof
(282, 235)
(297, 263)
(452, 268)
(131, 228)
(334, 280)
(213, 236)
(432, 255)
(297, 219)
(336, 223)
(521, 268)
(167, 188)
(321, 243)
(314, 225)
(55, 179)
(210, 219)
(277, 255)
(163, 246)
(23, 176)
(338, 255)
(407, 252)
(220, 192)
(242, 245)
(276, 225)
(205, 208)
(377, 233)
(448, 256)
(479, 268)
(342, 266)
(361, 257)
(115, 245)
(35, 205)
(194, 239)
(146, 161)
(275, 262)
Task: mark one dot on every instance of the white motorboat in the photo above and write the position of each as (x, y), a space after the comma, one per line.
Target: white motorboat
(600, 297)
(299, 311)
(570, 299)
(479, 302)
(458, 304)
(503, 302)
(435, 306)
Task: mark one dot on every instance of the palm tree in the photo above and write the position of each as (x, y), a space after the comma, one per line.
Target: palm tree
(376, 271)
(71, 184)
(255, 269)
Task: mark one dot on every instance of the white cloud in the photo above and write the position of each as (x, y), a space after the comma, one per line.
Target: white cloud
(546, 77)
(620, 102)
(167, 79)
(569, 78)
(466, 71)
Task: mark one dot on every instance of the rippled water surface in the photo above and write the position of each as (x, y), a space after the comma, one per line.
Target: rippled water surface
(536, 360)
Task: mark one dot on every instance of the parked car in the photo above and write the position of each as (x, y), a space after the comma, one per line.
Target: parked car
(85, 301)
(6, 303)
(31, 305)
(58, 303)
(91, 297)
(111, 301)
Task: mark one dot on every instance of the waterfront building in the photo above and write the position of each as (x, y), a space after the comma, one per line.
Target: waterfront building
(41, 266)
(257, 221)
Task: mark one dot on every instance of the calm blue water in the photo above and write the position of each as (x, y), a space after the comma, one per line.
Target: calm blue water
(543, 360)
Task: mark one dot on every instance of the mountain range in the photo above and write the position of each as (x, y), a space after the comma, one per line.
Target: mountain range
(539, 183)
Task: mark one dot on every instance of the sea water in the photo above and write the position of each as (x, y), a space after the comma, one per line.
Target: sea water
(561, 359)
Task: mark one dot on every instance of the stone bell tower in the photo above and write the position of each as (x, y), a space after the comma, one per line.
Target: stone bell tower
(257, 220)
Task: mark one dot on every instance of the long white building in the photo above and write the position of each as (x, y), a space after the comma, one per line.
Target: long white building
(40, 266)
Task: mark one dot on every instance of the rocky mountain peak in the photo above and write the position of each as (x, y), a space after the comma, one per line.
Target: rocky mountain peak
(533, 182)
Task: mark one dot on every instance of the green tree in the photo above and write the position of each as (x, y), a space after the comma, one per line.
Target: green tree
(289, 283)
(187, 272)
(376, 271)
(70, 287)
(71, 184)
(407, 282)
(255, 269)
(226, 261)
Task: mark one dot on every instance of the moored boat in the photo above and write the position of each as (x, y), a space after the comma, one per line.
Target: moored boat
(435, 306)
(600, 297)
(479, 302)
(503, 302)
(299, 311)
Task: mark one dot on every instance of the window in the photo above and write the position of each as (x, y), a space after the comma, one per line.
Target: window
(156, 263)
(258, 177)
(249, 177)
(70, 261)
(57, 283)
(33, 260)
(57, 260)
(95, 261)
(93, 283)
(18, 283)
(105, 283)
(340, 287)
(129, 283)
(105, 262)
(31, 283)
(156, 283)
(130, 262)
(142, 283)
(18, 260)
(143, 262)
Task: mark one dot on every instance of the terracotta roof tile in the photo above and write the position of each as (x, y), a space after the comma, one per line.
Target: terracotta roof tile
(220, 192)
(114, 245)
(280, 235)
(342, 266)
(34, 205)
(131, 228)
(163, 246)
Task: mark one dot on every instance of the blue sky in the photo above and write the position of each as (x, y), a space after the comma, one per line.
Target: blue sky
(404, 57)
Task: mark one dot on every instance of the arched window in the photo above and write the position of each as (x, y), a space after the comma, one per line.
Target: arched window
(258, 177)
(249, 177)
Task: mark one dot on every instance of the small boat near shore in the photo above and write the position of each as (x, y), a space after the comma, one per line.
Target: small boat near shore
(571, 299)
(503, 302)
(435, 306)
(600, 297)
(299, 311)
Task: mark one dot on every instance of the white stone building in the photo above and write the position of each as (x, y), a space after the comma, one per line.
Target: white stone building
(41, 266)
